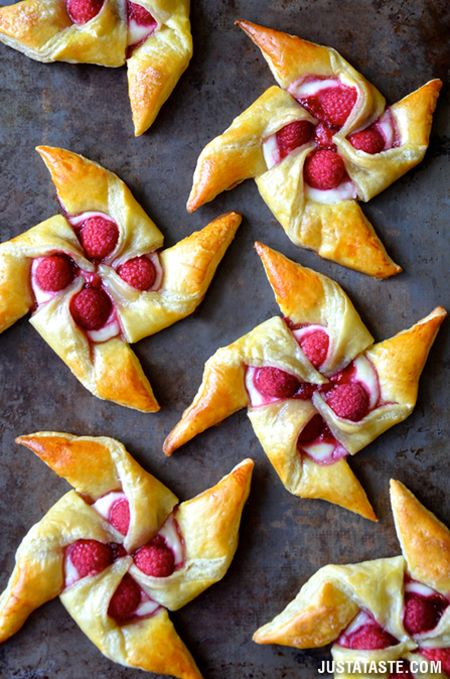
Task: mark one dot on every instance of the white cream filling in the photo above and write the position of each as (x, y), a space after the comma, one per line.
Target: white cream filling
(41, 295)
(271, 152)
(137, 32)
(170, 534)
(256, 398)
(365, 372)
(319, 451)
(147, 607)
(385, 125)
(301, 90)
(79, 219)
(345, 191)
(361, 619)
(103, 504)
(419, 588)
(70, 572)
(154, 258)
(110, 329)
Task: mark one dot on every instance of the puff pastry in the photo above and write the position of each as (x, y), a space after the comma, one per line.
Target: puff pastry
(379, 611)
(316, 386)
(96, 282)
(119, 551)
(315, 145)
(153, 37)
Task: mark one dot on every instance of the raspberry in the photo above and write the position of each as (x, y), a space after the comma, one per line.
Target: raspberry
(369, 637)
(90, 556)
(369, 140)
(350, 401)
(324, 169)
(324, 137)
(315, 346)
(305, 391)
(54, 273)
(139, 14)
(125, 600)
(91, 308)
(118, 550)
(293, 135)
(336, 104)
(155, 558)
(82, 11)
(440, 654)
(119, 515)
(98, 237)
(138, 272)
(275, 383)
(422, 613)
(404, 671)
(315, 429)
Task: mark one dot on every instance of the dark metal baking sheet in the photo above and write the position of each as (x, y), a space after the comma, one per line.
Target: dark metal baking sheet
(397, 45)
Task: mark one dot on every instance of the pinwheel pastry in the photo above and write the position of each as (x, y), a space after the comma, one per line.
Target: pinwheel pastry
(316, 147)
(153, 37)
(389, 616)
(119, 551)
(95, 280)
(316, 386)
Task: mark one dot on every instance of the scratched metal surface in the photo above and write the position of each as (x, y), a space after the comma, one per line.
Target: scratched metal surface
(398, 45)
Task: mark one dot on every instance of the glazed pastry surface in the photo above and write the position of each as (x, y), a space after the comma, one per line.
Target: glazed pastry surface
(152, 37)
(388, 609)
(169, 552)
(112, 285)
(316, 385)
(312, 163)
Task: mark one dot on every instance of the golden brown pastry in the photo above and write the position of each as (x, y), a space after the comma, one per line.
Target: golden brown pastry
(316, 386)
(119, 550)
(316, 146)
(96, 280)
(388, 618)
(153, 37)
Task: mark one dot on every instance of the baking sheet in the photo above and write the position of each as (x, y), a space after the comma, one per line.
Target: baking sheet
(397, 45)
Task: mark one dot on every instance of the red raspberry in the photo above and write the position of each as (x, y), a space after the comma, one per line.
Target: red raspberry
(404, 671)
(315, 428)
(324, 169)
(324, 137)
(422, 613)
(305, 391)
(369, 140)
(118, 550)
(54, 273)
(138, 272)
(139, 14)
(125, 600)
(369, 637)
(82, 11)
(336, 104)
(98, 237)
(119, 515)
(442, 654)
(315, 346)
(91, 308)
(155, 558)
(350, 401)
(275, 383)
(90, 556)
(293, 135)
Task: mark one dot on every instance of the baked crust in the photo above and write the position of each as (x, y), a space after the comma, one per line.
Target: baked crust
(306, 297)
(336, 228)
(43, 30)
(332, 597)
(208, 524)
(187, 270)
